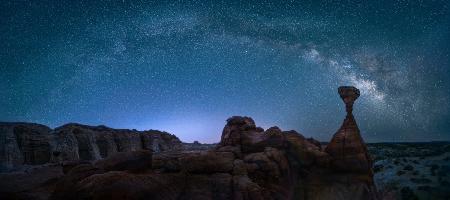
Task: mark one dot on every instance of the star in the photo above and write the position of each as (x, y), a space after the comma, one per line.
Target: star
(185, 67)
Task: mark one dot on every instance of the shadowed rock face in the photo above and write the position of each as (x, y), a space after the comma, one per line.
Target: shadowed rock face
(23, 143)
(248, 163)
(34, 144)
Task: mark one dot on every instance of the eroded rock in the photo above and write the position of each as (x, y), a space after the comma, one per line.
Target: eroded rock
(248, 163)
(33, 144)
(347, 148)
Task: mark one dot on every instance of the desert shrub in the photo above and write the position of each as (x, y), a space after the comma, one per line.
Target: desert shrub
(434, 167)
(420, 180)
(391, 185)
(408, 194)
(408, 168)
(424, 188)
(442, 173)
(378, 168)
(446, 148)
(444, 183)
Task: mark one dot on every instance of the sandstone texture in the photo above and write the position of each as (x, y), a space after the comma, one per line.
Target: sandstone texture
(248, 163)
(24, 144)
(347, 148)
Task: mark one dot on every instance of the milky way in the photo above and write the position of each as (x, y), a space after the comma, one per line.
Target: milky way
(186, 67)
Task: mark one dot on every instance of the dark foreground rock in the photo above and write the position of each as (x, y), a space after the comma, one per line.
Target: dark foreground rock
(248, 163)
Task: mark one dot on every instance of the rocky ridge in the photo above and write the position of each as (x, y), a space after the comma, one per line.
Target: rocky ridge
(24, 144)
(248, 163)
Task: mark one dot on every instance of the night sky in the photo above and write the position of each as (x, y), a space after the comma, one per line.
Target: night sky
(186, 67)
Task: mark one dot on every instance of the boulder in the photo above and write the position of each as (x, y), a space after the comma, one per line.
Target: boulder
(132, 161)
(166, 162)
(242, 132)
(65, 188)
(124, 185)
(207, 162)
(301, 152)
(214, 186)
(36, 182)
(231, 134)
(245, 189)
(270, 169)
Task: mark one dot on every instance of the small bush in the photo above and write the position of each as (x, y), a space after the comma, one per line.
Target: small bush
(408, 168)
(444, 183)
(420, 180)
(407, 193)
(442, 173)
(378, 168)
(424, 188)
(400, 172)
(434, 167)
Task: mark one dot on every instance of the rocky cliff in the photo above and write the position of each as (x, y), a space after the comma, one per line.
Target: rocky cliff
(248, 163)
(33, 144)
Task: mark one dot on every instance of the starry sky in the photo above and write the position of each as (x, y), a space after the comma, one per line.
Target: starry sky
(186, 66)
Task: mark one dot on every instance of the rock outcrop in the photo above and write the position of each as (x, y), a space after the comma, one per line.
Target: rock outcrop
(345, 171)
(347, 147)
(23, 144)
(248, 163)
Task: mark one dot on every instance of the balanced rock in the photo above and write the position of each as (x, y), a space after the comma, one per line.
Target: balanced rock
(347, 148)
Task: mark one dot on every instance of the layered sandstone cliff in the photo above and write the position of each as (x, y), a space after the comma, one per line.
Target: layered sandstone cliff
(34, 144)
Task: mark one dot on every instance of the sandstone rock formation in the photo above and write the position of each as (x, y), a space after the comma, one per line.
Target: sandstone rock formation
(33, 144)
(345, 171)
(347, 147)
(248, 163)
(23, 143)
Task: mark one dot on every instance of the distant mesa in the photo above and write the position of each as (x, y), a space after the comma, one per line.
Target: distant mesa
(87, 162)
